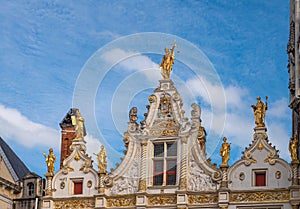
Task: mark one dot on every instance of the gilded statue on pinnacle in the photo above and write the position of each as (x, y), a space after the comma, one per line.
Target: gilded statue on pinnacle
(78, 122)
(225, 152)
(293, 147)
(101, 157)
(50, 160)
(260, 112)
(167, 62)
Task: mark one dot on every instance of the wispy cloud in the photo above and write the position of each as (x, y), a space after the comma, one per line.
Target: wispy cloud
(18, 128)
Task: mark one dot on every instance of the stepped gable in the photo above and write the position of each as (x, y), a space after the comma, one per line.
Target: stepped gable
(16, 166)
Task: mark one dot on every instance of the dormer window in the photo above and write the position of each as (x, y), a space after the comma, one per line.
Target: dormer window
(30, 189)
(164, 163)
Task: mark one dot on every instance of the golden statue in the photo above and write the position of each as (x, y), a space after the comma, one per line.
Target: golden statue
(293, 148)
(225, 152)
(78, 122)
(50, 159)
(101, 157)
(167, 62)
(260, 112)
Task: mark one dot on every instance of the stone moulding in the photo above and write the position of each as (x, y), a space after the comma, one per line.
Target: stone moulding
(75, 203)
(162, 200)
(260, 196)
(194, 199)
(121, 201)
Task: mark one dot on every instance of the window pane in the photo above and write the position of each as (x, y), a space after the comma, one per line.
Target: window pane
(172, 149)
(171, 165)
(171, 179)
(158, 150)
(77, 187)
(158, 179)
(158, 166)
(260, 179)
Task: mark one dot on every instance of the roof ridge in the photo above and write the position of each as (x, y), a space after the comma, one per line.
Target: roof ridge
(15, 165)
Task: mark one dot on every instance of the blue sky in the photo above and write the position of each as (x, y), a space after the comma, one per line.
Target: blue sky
(46, 45)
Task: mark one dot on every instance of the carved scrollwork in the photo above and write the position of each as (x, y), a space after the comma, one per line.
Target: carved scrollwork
(162, 200)
(216, 176)
(203, 198)
(152, 98)
(75, 203)
(260, 196)
(121, 201)
(107, 181)
(248, 159)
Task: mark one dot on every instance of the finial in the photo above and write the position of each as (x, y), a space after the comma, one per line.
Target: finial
(133, 115)
(167, 62)
(260, 112)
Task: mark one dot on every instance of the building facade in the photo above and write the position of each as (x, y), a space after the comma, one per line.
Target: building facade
(19, 188)
(165, 163)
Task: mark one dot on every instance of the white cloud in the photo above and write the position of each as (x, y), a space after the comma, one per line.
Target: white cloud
(133, 61)
(280, 109)
(16, 127)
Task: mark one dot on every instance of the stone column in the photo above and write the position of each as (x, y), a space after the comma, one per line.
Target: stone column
(224, 182)
(142, 183)
(49, 177)
(183, 164)
(295, 166)
(101, 187)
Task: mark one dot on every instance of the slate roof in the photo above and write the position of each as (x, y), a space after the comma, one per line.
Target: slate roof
(15, 165)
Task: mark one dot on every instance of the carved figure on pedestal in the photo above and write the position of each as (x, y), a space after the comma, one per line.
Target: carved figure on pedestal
(293, 147)
(78, 122)
(167, 62)
(50, 160)
(102, 162)
(225, 152)
(260, 112)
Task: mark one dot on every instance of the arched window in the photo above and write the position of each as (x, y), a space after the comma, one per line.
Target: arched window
(30, 188)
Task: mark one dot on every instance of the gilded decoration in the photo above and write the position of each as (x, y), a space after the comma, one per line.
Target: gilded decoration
(164, 132)
(75, 203)
(164, 128)
(260, 112)
(248, 159)
(123, 201)
(271, 196)
(203, 198)
(293, 147)
(102, 162)
(162, 200)
(50, 160)
(225, 152)
(167, 62)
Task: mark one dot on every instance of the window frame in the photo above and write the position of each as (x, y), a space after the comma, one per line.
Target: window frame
(77, 182)
(165, 158)
(30, 189)
(257, 172)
